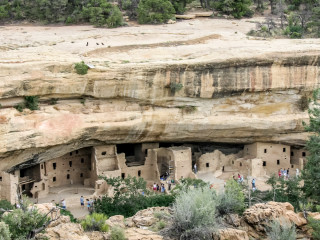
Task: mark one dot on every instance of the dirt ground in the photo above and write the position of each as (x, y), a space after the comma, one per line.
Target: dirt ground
(186, 41)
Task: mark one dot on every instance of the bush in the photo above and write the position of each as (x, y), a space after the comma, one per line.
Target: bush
(194, 214)
(101, 12)
(155, 11)
(20, 107)
(4, 232)
(31, 102)
(128, 198)
(22, 222)
(95, 222)
(6, 205)
(232, 200)
(180, 5)
(303, 103)
(236, 8)
(281, 230)
(175, 87)
(117, 233)
(315, 225)
(81, 68)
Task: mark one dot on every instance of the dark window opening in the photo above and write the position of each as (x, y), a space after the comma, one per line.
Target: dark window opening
(240, 164)
(232, 162)
(146, 151)
(0, 179)
(103, 153)
(284, 149)
(82, 160)
(77, 151)
(54, 179)
(70, 163)
(71, 154)
(264, 163)
(68, 176)
(265, 150)
(81, 174)
(291, 166)
(43, 186)
(303, 154)
(139, 173)
(278, 162)
(123, 175)
(292, 154)
(41, 166)
(54, 165)
(207, 164)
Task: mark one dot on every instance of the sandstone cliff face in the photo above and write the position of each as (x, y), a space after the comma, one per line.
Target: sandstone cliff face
(236, 99)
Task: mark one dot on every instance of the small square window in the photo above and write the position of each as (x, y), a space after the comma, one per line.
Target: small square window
(139, 173)
(82, 160)
(303, 154)
(291, 166)
(81, 174)
(240, 164)
(71, 154)
(292, 154)
(265, 150)
(0, 179)
(123, 175)
(68, 176)
(284, 149)
(54, 179)
(207, 164)
(77, 151)
(278, 162)
(103, 153)
(41, 166)
(54, 165)
(70, 163)
(264, 163)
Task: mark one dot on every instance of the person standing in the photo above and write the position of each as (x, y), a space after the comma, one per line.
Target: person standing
(82, 202)
(253, 183)
(279, 173)
(297, 172)
(288, 173)
(195, 168)
(63, 204)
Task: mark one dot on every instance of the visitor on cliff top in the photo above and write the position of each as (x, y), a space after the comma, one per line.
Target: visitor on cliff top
(63, 204)
(82, 202)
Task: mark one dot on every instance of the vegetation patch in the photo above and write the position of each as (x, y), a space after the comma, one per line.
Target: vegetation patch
(95, 222)
(81, 68)
(155, 11)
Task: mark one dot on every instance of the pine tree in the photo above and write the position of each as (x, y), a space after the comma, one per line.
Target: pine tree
(311, 172)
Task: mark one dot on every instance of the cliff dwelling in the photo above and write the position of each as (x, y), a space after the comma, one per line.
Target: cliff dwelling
(155, 162)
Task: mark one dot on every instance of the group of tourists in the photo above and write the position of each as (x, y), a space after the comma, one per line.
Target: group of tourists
(90, 203)
(286, 173)
(240, 180)
(157, 188)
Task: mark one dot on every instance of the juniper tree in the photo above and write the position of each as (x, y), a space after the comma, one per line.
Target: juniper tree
(311, 172)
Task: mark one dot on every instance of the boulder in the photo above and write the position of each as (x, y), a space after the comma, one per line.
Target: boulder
(259, 215)
(97, 235)
(44, 208)
(70, 231)
(117, 220)
(145, 218)
(314, 215)
(231, 234)
(141, 234)
(61, 220)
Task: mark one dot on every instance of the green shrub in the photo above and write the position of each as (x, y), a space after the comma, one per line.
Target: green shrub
(101, 13)
(236, 8)
(6, 205)
(65, 212)
(194, 214)
(155, 11)
(22, 222)
(232, 200)
(3, 12)
(4, 232)
(95, 222)
(180, 5)
(315, 225)
(81, 68)
(281, 230)
(20, 107)
(53, 101)
(31, 102)
(303, 103)
(117, 233)
(175, 87)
